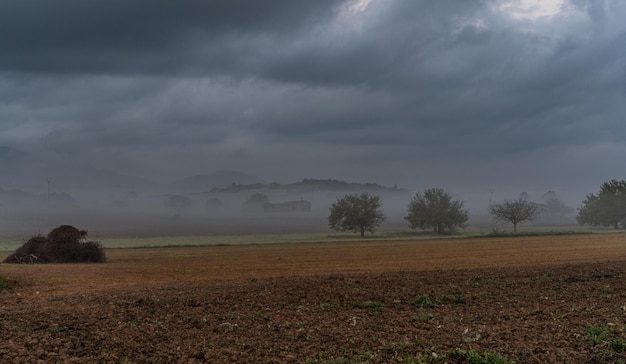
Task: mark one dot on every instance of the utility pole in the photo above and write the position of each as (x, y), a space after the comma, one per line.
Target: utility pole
(49, 182)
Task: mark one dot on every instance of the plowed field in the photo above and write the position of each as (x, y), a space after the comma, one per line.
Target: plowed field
(526, 299)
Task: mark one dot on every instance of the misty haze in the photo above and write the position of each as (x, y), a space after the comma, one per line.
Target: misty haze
(190, 207)
(312, 181)
(221, 203)
(487, 100)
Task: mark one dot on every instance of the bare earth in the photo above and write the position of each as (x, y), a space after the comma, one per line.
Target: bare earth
(528, 299)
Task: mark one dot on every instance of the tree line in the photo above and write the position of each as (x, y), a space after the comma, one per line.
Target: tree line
(435, 209)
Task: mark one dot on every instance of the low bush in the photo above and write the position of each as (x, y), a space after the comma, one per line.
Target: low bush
(64, 244)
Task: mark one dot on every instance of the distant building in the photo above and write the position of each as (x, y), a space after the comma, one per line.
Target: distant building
(289, 206)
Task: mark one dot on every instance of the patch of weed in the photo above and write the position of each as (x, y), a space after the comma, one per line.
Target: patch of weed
(367, 357)
(423, 301)
(398, 347)
(618, 346)
(597, 335)
(370, 305)
(423, 316)
(456, 299)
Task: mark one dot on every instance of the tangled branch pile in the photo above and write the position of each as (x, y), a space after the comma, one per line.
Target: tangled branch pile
(64, 244)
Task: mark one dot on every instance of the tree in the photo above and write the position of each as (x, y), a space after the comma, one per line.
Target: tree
(607, 208)
(356, 213)
(515, 211)
(435, 209)
(555, 209)
(256, 202)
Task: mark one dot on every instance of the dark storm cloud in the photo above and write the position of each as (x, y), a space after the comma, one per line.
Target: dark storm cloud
(446, 74)
(373, 48)
(143, 36)
(365, 88)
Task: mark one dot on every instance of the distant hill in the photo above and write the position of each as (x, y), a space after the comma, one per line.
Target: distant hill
(307, 185)
(333, 185)
(220, 179)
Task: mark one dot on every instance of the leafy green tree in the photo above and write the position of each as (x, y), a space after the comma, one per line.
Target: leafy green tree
(607, 208)
(356, 213)
(515, 211)
(435, 209)
(589, 211)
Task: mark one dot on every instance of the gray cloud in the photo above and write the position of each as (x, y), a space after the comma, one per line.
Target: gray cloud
(143, 36)
(415, 92)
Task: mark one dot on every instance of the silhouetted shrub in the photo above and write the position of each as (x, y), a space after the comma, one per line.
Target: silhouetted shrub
(32, 251)
(66, 234)
(64, 244)
(92, 252)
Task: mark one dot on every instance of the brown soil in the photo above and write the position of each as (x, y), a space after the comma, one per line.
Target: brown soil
(531, 300)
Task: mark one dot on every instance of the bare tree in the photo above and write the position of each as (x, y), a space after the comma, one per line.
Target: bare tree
(514, 211)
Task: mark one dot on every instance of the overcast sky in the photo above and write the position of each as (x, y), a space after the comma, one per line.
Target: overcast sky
(466, 95)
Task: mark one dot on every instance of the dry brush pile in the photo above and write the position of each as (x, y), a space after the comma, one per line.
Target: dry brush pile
(64, 244)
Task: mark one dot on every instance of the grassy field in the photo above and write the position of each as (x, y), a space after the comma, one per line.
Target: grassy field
(10, 244)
